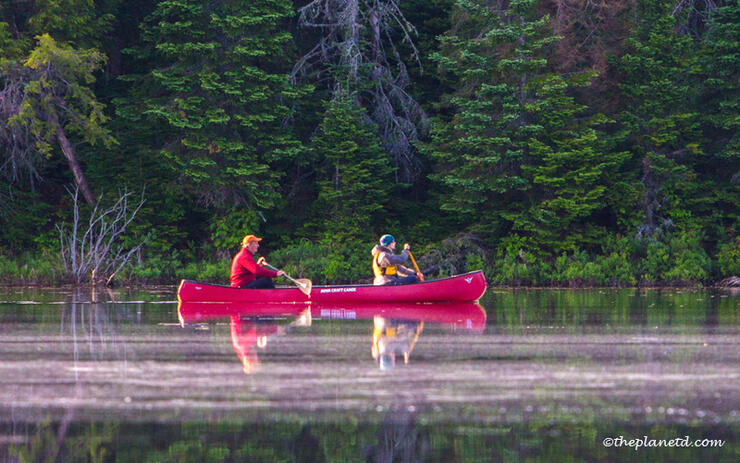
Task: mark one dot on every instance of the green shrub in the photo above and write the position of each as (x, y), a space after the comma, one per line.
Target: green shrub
(509, 270)
(617, 270)
(678, 258)
(577, 270)
(327, 262)
(32, 268)
(617, 264)
(222, 228)
(690, 263)
(302, 259)
(657, 260)
(473, 261)
(728, 258)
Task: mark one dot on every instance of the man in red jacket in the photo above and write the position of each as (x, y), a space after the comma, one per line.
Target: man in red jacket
(246, 273)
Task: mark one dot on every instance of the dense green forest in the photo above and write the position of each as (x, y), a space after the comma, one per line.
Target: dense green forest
(550, 142)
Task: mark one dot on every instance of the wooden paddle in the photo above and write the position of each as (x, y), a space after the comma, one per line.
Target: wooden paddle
(416, 266)
(304, 284)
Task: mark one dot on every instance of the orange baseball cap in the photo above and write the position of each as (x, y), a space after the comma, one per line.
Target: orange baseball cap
(249, 238)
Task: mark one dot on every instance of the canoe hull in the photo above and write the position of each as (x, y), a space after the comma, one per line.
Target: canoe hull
(459, 288)
(467, 316)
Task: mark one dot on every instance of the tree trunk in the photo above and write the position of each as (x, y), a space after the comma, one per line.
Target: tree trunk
(74, 165)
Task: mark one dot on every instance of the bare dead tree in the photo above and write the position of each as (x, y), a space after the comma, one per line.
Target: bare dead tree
(359, 37)
(94, 251)
(694, 15)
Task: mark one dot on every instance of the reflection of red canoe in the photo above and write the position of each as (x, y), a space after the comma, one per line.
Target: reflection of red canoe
(463, 288)
(462, 315)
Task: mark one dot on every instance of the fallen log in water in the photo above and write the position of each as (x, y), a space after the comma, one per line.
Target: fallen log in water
(729, 282)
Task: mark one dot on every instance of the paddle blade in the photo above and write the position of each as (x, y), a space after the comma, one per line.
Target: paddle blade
(304, 284)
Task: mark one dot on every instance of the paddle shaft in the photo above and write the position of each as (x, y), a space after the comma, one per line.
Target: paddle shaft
(413, 261)
(286, 275)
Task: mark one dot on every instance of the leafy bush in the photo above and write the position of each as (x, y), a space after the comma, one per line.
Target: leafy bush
(577, 270)
(728, 258)
(677, 258)
(27, 268)
(657, 259)
(222, 228)
(617, 270)
(617, 261)
(473, 261)
(327, 261)
(690, 263)
(510, 270)
(302, 259)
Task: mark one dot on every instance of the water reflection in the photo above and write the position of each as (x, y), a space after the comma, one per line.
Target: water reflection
(396, 327)
(252, 332)
(394, 338)
(554, 373)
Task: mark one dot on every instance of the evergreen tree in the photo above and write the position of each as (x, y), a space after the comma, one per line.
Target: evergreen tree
(660, 126)
(354, 179)
(76, 23)
(517, 156)
(218, 97)
(720, 107)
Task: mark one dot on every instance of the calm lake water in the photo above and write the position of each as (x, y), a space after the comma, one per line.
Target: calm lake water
(526, 375)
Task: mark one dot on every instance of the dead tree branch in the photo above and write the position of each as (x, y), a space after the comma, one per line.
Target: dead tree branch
(357, 37)
(95, 252)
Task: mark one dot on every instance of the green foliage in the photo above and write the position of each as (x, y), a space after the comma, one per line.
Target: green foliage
(326, 261)
(26, 222)
(473, 261)
(354, 176)
(171, 269)
(578, 270)
(677, 258)
(79, 22)
(522, 175)
(728, 258)
(218, 90)
(518, 155)
(659, 124)
(59, 93)
(48, 104)
(617, 269)
(38, 268)
(227, 230)
(719, 104)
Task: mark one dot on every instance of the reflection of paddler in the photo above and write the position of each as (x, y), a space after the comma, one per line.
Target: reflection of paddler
(246, 335)
(394, 338)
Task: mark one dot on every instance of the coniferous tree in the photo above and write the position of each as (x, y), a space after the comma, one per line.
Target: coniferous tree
(660, 125)
(720, 107)
(218, 97)
(354, 178)
(518, 155)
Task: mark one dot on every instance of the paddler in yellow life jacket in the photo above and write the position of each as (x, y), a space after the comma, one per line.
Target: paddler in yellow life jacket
(393, 339)
(387, 267)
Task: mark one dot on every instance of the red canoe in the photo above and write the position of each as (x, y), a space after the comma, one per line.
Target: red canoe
(459, 288)
(457, 315)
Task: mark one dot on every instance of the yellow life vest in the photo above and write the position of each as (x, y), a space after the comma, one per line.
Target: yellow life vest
(380, 271)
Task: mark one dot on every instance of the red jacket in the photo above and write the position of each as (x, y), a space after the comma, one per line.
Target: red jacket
(245, 270)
